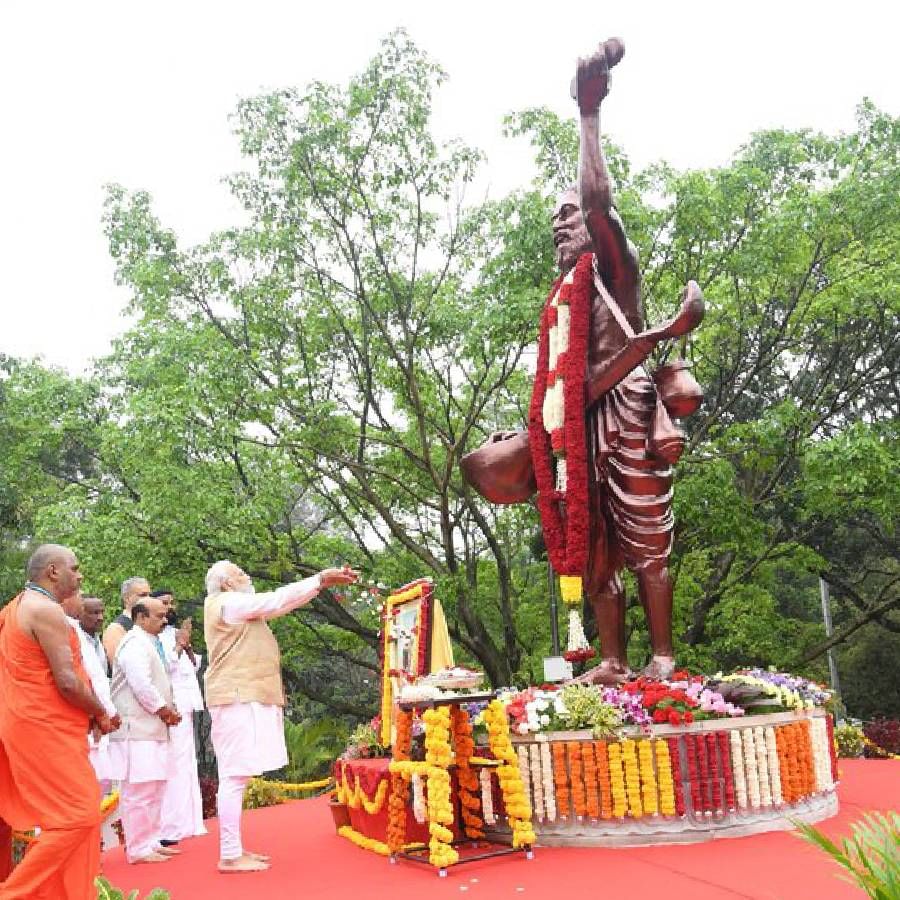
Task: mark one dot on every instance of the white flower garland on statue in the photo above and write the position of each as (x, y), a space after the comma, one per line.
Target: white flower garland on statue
(487, 797)
(525, 772)
(750, 767)
(821, 755)
(774, 766)
(419, 807)
(554, 406)
(577, 638)
(762, 766)
(537, 781)
(737, 766)
(549, 784)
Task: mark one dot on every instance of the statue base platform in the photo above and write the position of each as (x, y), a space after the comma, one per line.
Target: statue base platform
(719, 791)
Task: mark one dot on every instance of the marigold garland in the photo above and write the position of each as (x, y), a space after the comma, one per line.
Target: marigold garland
(665, 778)
(677, 779)
(573, 751)
(617, 780)
(396, 829)
(518, 809)
(561, 780)
(649, 796)
(466, 776)
(784, 742)
(805, 756)
(356, 796)
(602, 760)
(632, 778)
(591, 787)
(366, 843)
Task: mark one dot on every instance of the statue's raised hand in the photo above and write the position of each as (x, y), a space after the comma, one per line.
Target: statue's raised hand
(591, 82)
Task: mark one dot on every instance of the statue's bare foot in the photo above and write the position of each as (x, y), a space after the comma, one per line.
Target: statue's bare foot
(609, 671)
(660, 668)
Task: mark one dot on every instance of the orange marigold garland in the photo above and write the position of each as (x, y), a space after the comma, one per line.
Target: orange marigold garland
(396, 830)
(784, 743)
(469, 785)
(579, 804)
(591, 788)
(561, 780)
(602, 759)
(807, 762)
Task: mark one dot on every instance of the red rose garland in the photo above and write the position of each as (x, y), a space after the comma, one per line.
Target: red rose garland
(715, 775)
(566, 539)
(725, 751)
(829, 724)
(703, 761)
(675, 758)
(693, 777)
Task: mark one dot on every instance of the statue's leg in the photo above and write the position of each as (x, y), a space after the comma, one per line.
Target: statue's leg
(655, 592)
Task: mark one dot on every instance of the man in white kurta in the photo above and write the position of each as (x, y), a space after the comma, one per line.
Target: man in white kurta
(244, 691)
(139, 750)
(182, 806)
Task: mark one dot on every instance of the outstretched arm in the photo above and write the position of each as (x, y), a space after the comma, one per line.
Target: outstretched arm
(239, 608)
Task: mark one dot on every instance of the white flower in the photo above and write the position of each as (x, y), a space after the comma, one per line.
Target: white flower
(545, 720)
(559, 707)
(522, 728)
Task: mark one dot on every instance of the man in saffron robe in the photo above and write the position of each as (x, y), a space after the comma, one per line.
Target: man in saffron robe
(46, 709)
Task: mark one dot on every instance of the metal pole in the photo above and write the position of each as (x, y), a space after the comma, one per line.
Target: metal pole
(554, 614)
(826, 615)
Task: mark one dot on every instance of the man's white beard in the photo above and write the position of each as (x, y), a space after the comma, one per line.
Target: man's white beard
(247, 589)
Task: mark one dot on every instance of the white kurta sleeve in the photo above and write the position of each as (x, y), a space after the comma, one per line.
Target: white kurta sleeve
(135, 665)
(167, 639)
(94, 669)
(238, 608)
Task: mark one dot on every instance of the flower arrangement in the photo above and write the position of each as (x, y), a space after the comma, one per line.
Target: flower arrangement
(849, 740)
(366, 741)
(583, 706)
(781, 689)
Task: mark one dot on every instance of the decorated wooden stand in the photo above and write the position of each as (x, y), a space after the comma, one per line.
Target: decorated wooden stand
(445, 718)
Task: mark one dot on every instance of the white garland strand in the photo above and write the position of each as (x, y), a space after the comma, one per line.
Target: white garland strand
(577, 639)
(419, 807)
(821, 755)
(537, 781)
(737, 766)
(750, 767)
(774, 766)
(525, 772)
(762, 766)
(487, 797)
(549, 784)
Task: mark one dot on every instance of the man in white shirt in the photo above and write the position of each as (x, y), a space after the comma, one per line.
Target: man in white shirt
(182, 806)
(134, 590)
(91, 622)
(139, 750)
(73, 607)
(244, 692)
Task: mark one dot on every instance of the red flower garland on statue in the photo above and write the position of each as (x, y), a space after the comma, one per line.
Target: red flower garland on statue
(566, 539)
(675, 759)
(725, 751)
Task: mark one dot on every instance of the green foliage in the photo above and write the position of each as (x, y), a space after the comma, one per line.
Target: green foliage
(299, 390)
(870, 859)
(312, 747)
(105, 891)
(260, 793)
(849, 740)
(584, 708)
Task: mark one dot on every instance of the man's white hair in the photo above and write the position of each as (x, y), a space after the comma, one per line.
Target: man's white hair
(129, 584)
(218, 573)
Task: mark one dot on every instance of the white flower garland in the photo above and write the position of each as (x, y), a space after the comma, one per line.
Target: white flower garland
(549, 784)
(762, 766)
(737, 766)
(577, 638)
(419, 808)
(774, 766)
(487, 797)
(750, 767)
(537, 781)
(554, 407)
(821, 755)
(525, 772)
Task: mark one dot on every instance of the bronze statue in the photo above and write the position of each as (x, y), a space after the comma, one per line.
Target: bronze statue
(630, 438)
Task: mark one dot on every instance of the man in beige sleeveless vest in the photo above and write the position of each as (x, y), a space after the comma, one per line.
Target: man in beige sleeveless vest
(244, 691)
(139, 750)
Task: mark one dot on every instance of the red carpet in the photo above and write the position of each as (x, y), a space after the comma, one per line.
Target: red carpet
(310, 861)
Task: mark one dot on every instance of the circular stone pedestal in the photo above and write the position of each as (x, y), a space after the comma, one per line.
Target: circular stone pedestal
(712, 805)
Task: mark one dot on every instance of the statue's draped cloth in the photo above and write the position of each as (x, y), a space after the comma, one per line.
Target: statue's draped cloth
(631, 490)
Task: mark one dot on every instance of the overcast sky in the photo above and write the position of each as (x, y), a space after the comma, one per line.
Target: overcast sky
(140, 93)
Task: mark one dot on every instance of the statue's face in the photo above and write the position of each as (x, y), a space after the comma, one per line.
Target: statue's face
(570, 234)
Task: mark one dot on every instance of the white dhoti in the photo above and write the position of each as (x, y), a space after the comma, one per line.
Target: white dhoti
(248, 738)
(182, 804)
(142, 767)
